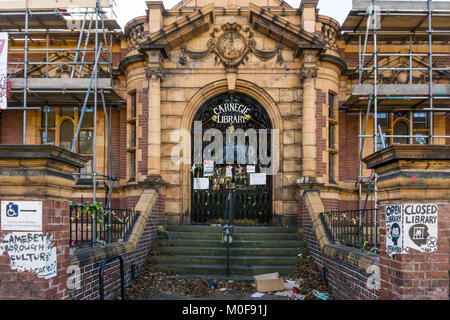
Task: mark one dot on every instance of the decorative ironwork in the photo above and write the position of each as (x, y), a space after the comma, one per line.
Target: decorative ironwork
(253, 202)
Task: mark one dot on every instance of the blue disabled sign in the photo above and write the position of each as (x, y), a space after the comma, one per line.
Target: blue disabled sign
(21, 216)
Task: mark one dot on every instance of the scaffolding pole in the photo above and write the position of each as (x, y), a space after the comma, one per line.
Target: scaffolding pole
(52, 36)
(365, 72)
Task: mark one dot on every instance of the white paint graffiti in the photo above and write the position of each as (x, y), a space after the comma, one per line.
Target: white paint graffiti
(30, 251)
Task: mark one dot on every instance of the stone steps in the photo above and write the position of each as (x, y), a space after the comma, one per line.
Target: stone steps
(192, 251)
(214, 251)
(197, 269)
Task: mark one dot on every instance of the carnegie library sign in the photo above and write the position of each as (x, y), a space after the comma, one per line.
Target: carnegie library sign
(231, 113)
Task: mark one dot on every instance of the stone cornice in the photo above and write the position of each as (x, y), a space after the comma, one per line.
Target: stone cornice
(11, 152)
(281, 30)
(181, 30)
(407, 152)
(37, 171)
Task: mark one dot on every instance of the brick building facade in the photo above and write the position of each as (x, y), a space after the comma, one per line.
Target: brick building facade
(296, 65)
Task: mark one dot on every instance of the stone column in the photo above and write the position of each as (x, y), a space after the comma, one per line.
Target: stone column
(36, 184)
(414, 192)
(308, 75)
(154, 75)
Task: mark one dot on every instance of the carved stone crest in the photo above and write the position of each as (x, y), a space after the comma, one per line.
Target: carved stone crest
(231, 47)
(231, 44)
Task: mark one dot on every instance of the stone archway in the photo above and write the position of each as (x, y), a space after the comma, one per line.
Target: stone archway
(266, 102)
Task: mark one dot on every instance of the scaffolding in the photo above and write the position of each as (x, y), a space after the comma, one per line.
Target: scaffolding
(413, 22)
(47, 27)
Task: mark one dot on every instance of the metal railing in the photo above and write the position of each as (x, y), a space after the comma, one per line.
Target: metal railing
(353, 228)
(94, 226)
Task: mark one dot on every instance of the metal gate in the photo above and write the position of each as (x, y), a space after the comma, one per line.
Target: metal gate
(253, 202)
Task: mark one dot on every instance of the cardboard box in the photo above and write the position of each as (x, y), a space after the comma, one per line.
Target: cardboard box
(269, 283)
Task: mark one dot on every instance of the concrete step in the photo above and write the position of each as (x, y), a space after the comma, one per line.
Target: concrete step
(236, 244)
(212, 251)
(237, 229)
(222, 260)
(201, 269)
(215, 277)
(236, 236)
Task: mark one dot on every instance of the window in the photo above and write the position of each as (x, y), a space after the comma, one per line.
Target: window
(331, 164)
(331, 106)
(58, 127)
(88, 118)
(132, 136)
(66, 130)
(48, 122)
(332, 142)
(85, 142)
(332, 137)
(133, 106)
(401, 129)
(132, 165)
(396, 127)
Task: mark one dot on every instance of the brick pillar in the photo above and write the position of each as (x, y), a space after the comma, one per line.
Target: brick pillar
(34, 248)
(414, 190)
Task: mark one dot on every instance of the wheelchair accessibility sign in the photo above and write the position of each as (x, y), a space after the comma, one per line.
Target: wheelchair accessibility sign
(21, 216)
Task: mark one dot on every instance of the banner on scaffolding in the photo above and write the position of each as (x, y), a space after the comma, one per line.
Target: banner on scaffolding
(5, 88)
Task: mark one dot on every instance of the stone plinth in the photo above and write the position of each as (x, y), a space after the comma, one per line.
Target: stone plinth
(36, 183)
(410, 178)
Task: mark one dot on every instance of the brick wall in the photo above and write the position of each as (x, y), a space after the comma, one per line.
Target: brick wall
(11, 124)
(417, 275)
(143, 140)
(132, 260)
(346, 280)
(123, 143)
(321, 141)
(26, 285)
(349, 145)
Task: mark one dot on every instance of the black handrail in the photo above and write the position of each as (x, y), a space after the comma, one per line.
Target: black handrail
(228, 223)
(122, 276)
(353, 228)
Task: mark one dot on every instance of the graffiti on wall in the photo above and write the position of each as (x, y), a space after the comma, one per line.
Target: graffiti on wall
(32, 252)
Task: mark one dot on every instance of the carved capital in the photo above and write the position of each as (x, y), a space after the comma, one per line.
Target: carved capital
(154, 73)
(308, 73)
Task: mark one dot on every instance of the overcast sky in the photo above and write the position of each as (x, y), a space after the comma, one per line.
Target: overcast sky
(337, 9)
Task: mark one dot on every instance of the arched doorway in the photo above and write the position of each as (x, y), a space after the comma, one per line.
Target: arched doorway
(236, 114)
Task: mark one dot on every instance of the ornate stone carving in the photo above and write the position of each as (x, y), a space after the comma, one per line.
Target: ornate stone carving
(156, 73)
(308, 73)
(231, 47)
(330, 37)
